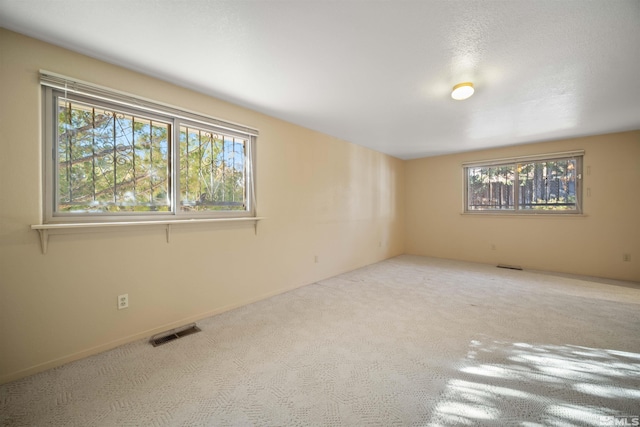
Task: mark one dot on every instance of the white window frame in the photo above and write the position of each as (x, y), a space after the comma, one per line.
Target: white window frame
(577, 155)
(55, 84)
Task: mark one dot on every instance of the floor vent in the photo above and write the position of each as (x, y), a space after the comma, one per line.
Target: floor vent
(174, 334)
(510, 267)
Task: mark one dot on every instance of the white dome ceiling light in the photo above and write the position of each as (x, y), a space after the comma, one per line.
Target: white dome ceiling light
(462, 91)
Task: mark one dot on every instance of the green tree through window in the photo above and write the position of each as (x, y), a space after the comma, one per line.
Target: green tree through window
(110, 161)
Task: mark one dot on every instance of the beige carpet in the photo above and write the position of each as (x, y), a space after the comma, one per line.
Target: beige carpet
(408, 341)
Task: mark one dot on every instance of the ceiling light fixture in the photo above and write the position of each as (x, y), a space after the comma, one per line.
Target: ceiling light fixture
(462, 91)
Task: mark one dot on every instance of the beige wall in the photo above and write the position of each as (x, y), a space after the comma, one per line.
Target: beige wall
(321, 197)
(589, 245)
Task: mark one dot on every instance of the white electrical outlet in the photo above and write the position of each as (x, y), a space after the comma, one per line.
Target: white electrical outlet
(123, 301)
(626, 257)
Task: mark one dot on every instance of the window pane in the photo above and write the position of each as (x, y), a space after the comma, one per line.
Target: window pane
(490, 188)
(110, 161)
(212, 171)
(548, 185)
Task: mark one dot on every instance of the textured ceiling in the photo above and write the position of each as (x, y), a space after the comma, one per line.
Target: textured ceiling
(377, 73)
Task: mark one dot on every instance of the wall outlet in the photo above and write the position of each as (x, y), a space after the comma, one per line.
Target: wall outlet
(493, 247)
(123, 301)
(315, 259)
(626, 257)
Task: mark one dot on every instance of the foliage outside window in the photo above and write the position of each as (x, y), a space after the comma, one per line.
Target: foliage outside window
(109, 161)
(211, 171)
(115, 162)
(543, 185)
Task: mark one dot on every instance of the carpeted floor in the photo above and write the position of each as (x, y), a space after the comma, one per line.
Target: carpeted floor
(408, 341)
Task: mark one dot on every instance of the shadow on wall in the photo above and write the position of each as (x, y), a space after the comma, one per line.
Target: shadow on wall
(550, 385)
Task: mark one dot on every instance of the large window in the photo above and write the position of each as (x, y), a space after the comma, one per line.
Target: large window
(541, 184)
(118, 158)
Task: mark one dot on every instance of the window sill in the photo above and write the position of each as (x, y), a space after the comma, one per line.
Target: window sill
(45, 230)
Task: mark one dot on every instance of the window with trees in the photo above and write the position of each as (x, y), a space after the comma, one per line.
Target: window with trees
(528, 185)
(113, 157)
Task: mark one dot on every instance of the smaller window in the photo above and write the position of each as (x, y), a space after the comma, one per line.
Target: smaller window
(529, 185)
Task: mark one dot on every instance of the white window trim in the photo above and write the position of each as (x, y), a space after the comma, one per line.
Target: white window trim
(524, 159)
